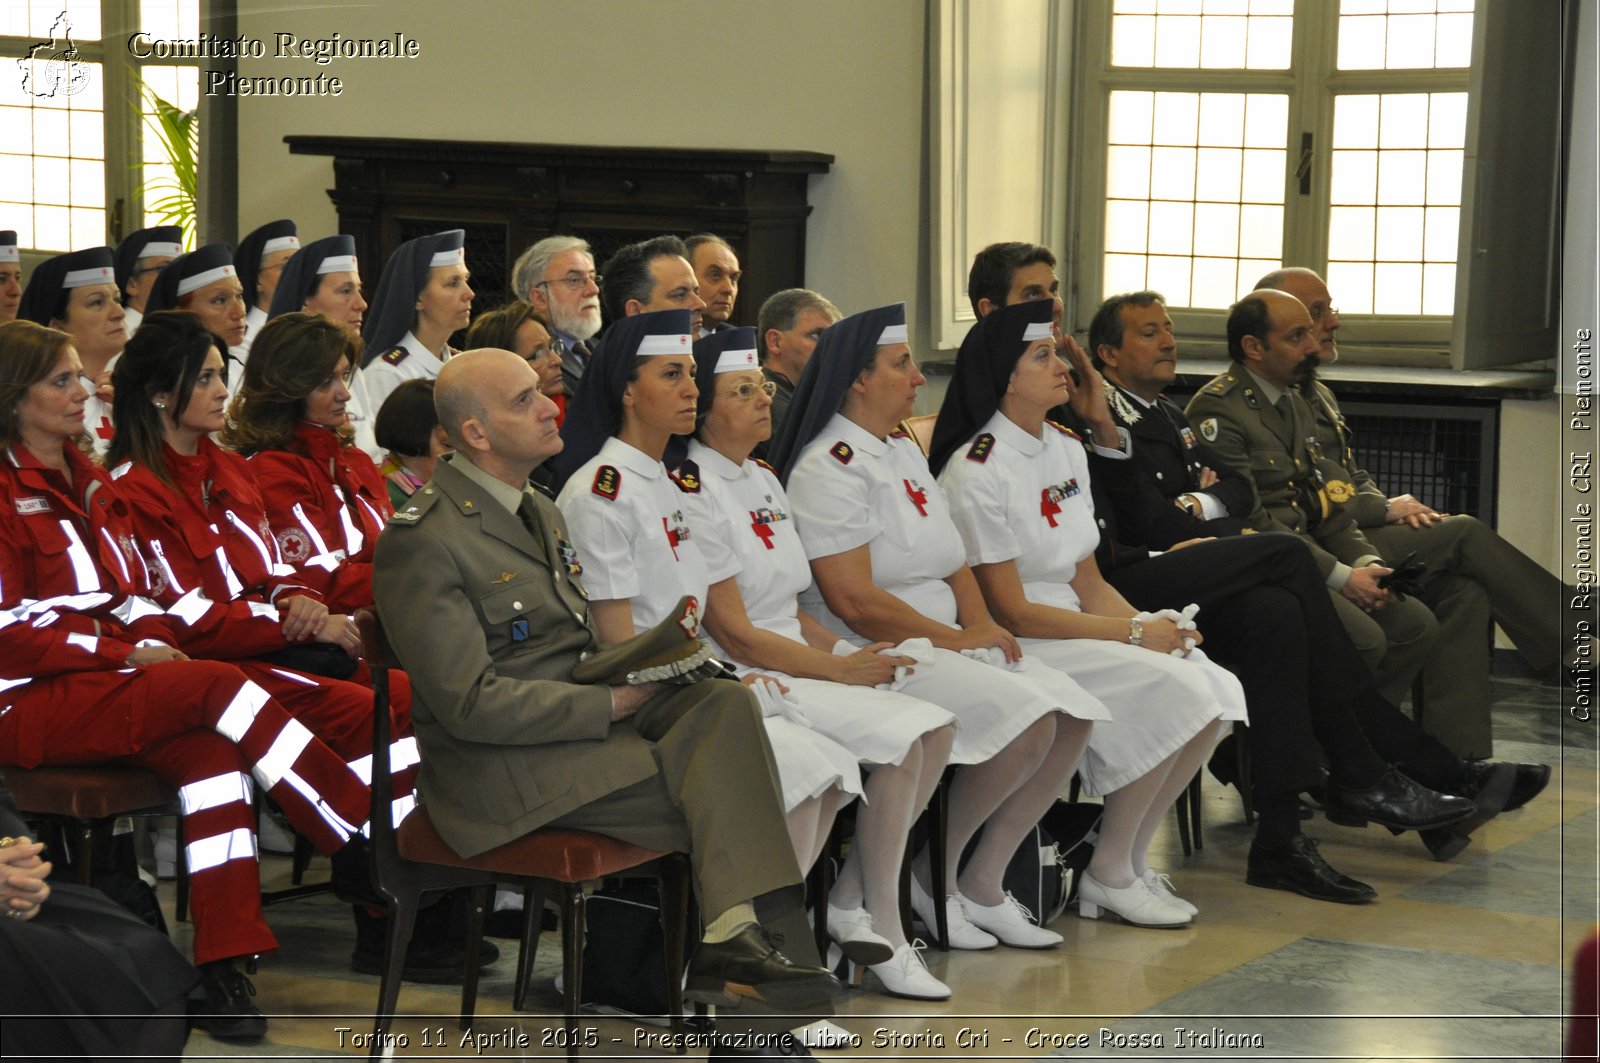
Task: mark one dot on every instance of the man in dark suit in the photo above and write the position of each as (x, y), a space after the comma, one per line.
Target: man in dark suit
(1190, 492)
(556, 277)
(716, 267)
(477, 584)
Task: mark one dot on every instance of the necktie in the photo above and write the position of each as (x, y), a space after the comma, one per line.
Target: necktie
(529, 512)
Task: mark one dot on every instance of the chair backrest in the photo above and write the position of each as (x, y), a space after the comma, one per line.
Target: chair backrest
(380, 657)
(921, 429)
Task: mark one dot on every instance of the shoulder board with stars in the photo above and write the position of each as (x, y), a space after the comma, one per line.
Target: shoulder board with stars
(1221, 385)
(899, 432)
(1063, 429)
(687, 477)
(981, 446)
(765, 466)
(607, 482)
(396, 356)
(843, 451)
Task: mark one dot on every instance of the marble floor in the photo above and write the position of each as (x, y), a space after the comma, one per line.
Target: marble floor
(1458, 960)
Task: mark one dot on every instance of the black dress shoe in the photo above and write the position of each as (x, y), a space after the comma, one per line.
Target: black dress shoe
(227, 1012)
(783, 1046)
(1299, 868)
(1396, 802)
(1491, 786)
(748, 966)
(1527, 783)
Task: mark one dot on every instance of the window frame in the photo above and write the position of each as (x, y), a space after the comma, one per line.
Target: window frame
(1311, 83)
(124, 137)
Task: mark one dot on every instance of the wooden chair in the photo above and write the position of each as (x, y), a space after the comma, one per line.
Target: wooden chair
(413, 860)
(87, 800)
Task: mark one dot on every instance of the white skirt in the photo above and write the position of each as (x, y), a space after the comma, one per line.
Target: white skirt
(1157, 702)
(876, 726)
(808, 762)
(995, 705)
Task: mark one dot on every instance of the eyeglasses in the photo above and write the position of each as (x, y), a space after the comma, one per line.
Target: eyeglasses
(573, 282)
(541, 352)
(747, 391)
(1324, 311)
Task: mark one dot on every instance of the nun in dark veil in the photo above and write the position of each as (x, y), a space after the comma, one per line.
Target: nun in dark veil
(422, 299)
(204, 283)
(840, 356)
(595, 414)
(889, 567)
(323, 278)
(259, 262)
(1021, 498)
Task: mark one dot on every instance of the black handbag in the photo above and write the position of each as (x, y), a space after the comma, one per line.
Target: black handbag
(624, 964)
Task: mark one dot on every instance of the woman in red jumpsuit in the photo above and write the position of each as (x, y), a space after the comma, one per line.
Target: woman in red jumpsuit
(203, 531)
(89, 672)
(326, 501)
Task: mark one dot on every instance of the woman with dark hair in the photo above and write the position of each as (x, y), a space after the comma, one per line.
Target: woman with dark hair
(91, 671)
(326, 501)
(741, 522)
(77, 293)
(523, 331)
(203, 528)
(205, 283)
(409, 432)
(324, 278)
(423, 298)
(1020, 497)
(85, 978)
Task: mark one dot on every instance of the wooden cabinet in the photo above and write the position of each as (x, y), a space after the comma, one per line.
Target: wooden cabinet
(507, 196)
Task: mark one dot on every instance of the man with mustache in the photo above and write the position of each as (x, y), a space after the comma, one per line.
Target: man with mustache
(1257, 423)
(1523, 598)
(556, 276)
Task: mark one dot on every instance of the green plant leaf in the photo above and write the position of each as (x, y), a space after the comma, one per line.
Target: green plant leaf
(177, 132)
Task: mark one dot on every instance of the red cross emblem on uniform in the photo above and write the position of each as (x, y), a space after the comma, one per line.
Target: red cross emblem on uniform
(104, 429)
(918, 496)
(673, 538)
(690, 620)
(1048, 506)
(762, 529)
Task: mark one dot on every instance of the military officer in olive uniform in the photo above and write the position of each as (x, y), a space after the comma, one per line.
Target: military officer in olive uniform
(477, 585)
(1255, 423)
(1525, 599)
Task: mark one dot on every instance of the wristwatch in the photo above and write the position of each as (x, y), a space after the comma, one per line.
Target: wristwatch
(1135, 631)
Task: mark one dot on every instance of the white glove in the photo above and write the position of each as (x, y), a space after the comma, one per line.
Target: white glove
(996, 656)
(919, 650)
(1184, 621)
(775, 701)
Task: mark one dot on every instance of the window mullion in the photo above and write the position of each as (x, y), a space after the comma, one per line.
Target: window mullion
(1305, 241)
(123, 149)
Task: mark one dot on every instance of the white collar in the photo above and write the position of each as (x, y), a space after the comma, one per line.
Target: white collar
(1007, 431)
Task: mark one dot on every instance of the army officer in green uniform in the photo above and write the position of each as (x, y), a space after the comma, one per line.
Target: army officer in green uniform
(1255, 422)
(478, 587)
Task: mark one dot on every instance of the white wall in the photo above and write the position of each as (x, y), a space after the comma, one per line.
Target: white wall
(815, 75)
